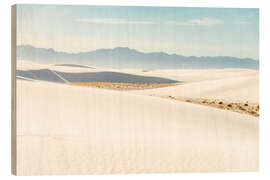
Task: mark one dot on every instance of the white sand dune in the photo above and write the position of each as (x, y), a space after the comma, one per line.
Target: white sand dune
(29, 65)
(225, 84)
(199, 75)
(65, 74)
(234, 89)
(65, 129)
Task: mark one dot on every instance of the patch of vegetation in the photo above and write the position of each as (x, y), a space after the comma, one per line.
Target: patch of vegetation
(122, 86)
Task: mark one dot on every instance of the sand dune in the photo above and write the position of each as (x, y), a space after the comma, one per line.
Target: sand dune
(199, 75)
(29, 65)
(78, 130)
(73, 73)
(102, 76)
(41, 74)
(234, 89)
(74, 65)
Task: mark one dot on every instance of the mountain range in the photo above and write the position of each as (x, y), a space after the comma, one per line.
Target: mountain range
(123, 57)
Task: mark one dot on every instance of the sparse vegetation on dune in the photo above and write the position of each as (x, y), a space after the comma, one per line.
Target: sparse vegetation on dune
(240, 107)
(122, 86)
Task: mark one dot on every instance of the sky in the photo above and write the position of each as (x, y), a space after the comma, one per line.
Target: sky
(173, 30)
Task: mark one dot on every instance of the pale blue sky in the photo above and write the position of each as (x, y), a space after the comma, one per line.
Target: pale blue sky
(184, 31)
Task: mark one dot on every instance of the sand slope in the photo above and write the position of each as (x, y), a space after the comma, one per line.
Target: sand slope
(234, 89)
(75, 130)
(199, 75)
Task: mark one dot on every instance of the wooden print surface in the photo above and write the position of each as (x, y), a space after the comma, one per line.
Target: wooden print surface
(107, 89)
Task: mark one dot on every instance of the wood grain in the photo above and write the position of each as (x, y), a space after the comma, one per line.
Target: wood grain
(13, 91)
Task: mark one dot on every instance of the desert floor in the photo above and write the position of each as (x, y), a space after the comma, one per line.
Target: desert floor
(72, 129)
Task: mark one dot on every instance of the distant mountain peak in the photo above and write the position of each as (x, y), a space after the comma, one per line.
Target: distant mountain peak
(124, 49)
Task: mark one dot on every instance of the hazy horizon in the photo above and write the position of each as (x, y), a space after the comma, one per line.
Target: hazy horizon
(173, 30)
(119, 47)
(123, 57)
